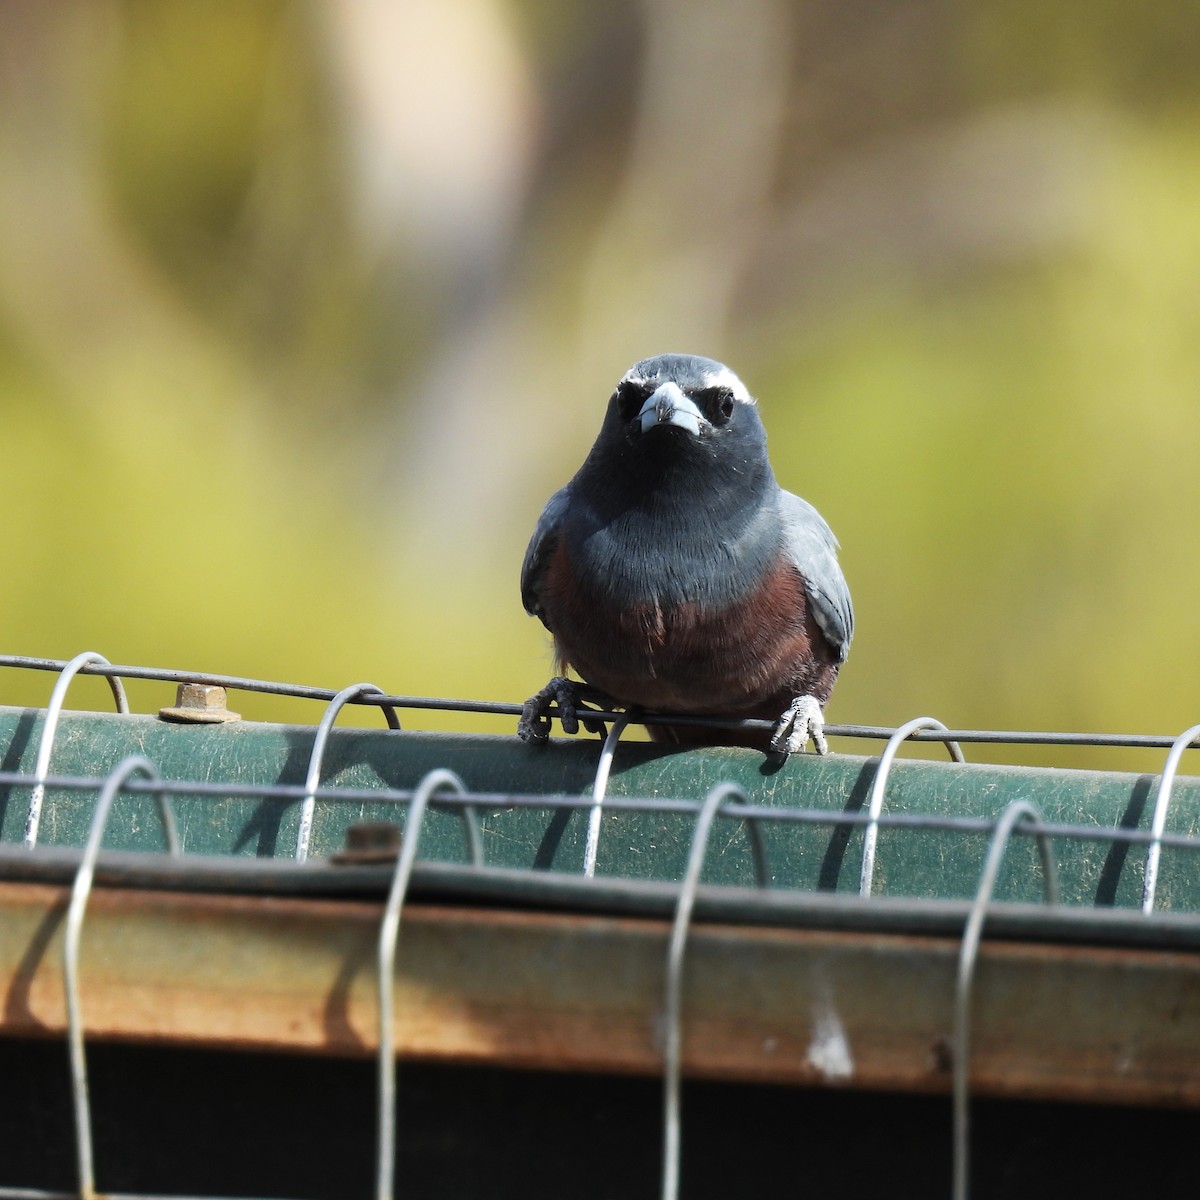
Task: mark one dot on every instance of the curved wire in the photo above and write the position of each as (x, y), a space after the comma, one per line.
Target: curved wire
(389, 933)
(599, 786)
(50, 728)
(1018, 810)
(470, 817)
(880, 733)
(879, 786)
(673, 1033)
(312, 781)
(80, 891)
(471, 830)
(608, 752)
(1158, 823)
(758, 853)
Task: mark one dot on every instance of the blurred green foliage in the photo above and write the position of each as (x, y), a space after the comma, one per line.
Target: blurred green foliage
(305, 310)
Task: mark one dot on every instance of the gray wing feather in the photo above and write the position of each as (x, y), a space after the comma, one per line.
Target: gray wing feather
(541, 546)
(813, 549)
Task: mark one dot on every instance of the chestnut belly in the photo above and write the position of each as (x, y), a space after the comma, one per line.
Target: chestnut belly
(749, 658)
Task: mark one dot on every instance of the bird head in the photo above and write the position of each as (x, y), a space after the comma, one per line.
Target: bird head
(680, 404)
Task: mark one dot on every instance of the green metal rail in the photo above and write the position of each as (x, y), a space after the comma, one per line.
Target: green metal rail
(936, 817)
(831, 910)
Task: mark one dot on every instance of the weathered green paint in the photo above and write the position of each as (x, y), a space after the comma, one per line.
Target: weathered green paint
(633, 845)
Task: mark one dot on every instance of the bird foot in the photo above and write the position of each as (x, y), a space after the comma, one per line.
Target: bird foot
(568, 697)
(802, 722)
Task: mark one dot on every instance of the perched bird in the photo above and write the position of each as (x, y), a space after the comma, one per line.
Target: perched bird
(677, 576)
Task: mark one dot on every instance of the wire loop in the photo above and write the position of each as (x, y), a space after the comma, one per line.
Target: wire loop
(1018, 810)
(673, 1032)
(320, 739)
(879, 786)
(1158, 823)
(50, 729)
(599, 787)
(80, 891)
(389, 933)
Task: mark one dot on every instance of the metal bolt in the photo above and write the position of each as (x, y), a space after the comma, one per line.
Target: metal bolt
(370, 842)
(199, 704)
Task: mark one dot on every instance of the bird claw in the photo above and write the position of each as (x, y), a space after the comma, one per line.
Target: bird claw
(801, 722)
(568, 697)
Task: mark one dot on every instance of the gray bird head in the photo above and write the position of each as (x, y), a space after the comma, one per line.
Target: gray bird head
(682, 435)
(681, 406)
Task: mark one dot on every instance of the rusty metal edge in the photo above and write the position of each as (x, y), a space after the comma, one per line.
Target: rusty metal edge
(584, 993)
(450, 883)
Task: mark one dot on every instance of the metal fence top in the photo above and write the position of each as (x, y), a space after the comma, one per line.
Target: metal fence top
(97, 665)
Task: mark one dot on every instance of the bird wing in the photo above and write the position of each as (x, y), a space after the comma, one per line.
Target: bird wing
(813, 548)
(537, 554)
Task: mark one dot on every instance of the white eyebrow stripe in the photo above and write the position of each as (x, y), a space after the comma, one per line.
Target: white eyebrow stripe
(722, 378)
(726, 378)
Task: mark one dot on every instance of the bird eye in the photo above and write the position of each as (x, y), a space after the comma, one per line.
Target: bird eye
(630, 397)
(717, 403)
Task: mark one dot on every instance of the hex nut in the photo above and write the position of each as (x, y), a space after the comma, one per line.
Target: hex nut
(199, 704)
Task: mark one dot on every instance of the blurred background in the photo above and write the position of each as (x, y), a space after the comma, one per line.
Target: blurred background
(306, 308)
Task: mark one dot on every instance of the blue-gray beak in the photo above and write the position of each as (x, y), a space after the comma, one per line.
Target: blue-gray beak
(669, 406)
